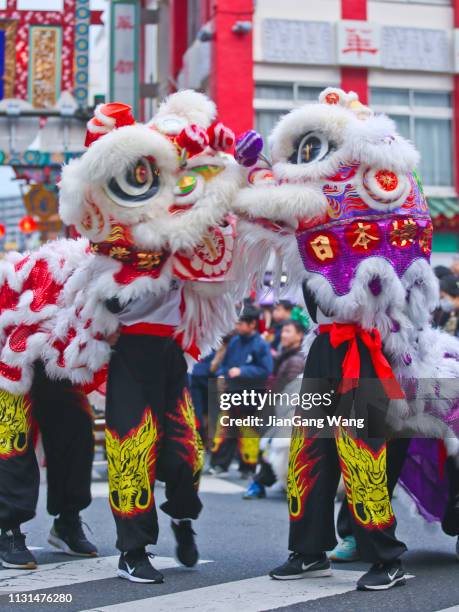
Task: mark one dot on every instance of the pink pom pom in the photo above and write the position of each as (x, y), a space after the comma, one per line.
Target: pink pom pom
(194, 139)
(221, 138)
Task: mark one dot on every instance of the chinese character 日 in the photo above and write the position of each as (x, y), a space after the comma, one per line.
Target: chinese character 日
(322, 248)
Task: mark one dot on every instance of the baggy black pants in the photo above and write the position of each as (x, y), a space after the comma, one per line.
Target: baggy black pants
(151, 434)
(317, 457)
(64, 419)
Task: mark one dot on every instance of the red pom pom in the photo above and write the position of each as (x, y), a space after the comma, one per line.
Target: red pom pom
(221, 138)
(194, 139)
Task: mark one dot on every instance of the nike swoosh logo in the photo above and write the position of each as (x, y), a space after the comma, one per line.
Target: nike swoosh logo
(306, 567)
(130, 569)
(391, 577)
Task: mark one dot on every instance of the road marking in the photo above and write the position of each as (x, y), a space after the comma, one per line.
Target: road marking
(452, 609)
(250, 595)
(66, 573)
(208, 484)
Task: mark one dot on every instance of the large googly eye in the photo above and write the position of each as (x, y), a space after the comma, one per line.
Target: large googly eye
(139, 183)
(312, 147)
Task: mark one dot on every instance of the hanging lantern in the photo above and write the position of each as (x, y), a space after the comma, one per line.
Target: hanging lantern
(27, 225)
(2, 230)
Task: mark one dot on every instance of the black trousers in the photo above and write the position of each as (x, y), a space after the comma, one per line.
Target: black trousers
(63, 415)
(151, 433)
(318, 456)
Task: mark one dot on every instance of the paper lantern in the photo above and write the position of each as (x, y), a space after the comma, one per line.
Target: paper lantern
(2, 230)
(27, 225)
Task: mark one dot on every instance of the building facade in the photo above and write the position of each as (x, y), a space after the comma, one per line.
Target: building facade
(260, 59)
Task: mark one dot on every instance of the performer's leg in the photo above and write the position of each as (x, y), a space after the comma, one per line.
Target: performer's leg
(224, 443)
(450, 522)
(64, 417)
(313, 476)
(181, 458)
(363, 464)
(312, 482)
(396, 454)
(133, 433)
(248, 444)
(19, 478)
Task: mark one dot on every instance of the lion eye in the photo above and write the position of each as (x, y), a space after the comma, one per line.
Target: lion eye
(139, 183)
(312, 147)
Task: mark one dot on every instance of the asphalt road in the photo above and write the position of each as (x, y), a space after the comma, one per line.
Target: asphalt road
(239, 541)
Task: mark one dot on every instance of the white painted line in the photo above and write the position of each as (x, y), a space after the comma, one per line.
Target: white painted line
(208, 484)
(452, 609)
(211, 484)
(250, 595)
(35, 547)
(67, 573)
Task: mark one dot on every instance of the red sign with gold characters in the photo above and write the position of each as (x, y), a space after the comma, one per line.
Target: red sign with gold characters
(323, 247)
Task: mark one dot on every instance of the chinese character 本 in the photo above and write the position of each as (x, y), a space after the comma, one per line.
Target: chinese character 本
(363, 237)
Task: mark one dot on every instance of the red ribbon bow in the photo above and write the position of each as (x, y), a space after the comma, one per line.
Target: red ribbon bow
(349, 332)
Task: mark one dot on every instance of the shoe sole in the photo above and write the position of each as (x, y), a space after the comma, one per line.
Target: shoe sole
(128, 576)
(313, 574)
(383, 587)
(65, 548)
(27, 566)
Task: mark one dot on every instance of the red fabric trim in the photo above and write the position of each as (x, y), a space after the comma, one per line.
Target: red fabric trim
(344, 332)
(164, 331)
(148, 329)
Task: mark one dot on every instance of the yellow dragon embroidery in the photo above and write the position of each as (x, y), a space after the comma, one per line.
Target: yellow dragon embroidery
(249, 445)
(365, 480)
(193, 439)
(15, 417)
(130, 467)
(299, 479)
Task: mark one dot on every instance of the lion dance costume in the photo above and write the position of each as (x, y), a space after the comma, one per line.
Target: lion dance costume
(152, 202)
(344, 209)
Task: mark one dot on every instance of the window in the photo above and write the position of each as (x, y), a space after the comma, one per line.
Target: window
(425, 118)
(420, 1)
(272, 100)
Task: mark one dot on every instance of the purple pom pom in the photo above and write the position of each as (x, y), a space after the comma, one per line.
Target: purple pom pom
(249, 145)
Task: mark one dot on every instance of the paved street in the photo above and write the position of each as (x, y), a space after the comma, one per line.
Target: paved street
(239, 542)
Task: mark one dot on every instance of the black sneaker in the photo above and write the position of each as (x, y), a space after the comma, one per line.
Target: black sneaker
(382, 576)
(186, 551)
(135, 566)
(13, 551)
(302, 566)
(69, 537)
